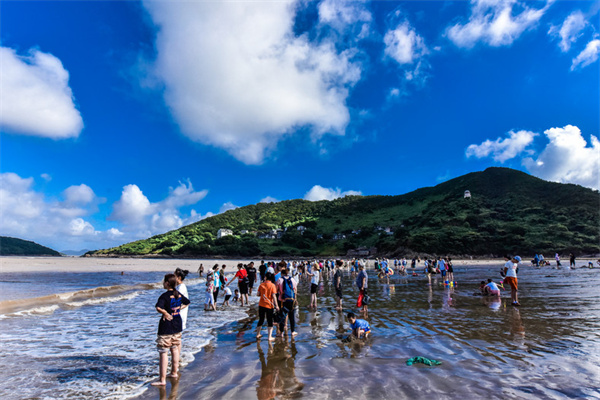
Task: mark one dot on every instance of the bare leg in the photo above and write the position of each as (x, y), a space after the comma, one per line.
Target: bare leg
(163, 360)
(270, 331)
(175, 362)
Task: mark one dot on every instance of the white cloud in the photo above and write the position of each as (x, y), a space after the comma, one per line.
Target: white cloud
(269, 199)
(346, 17)
(36, 98)
(142, 218)
(29, 214)
(567, 158)
(588, 56)
(46, 177)
(570, 30)
(318, 192)
(227, 206)
(404, 45)
(495, 22)
(502, 149)
(256, 82)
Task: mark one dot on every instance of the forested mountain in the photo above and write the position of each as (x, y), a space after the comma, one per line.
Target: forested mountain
(508, 211)
(18, 247)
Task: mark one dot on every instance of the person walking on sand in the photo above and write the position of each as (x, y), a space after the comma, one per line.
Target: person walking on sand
(510, 269)
(251, 270)
(169, 305)
(286, 288)
(242, 276)
(337, 284)
(267, 293)
(314, 285)
(362, 282)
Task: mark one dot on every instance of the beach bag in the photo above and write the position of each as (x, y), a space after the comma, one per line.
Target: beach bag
(276, 317)
(366, 299)
(288, 289)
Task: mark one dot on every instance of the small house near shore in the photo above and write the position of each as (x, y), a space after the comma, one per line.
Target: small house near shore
(224, 232)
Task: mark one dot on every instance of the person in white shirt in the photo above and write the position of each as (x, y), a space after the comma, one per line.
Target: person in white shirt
(314, 285)
(491, 289)
(510, 269)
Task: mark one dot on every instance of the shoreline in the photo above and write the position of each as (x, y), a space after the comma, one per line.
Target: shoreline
(12, 264)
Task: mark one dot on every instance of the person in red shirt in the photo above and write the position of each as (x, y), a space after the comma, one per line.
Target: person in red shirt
(267, 291)
(242, 277)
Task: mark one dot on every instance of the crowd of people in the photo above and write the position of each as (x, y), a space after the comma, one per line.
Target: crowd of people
(277, 286)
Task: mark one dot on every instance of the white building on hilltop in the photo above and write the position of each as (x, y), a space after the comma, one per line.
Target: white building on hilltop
(467, 194)
(224, 232)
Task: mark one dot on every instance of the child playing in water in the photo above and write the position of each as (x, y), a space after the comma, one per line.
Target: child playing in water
(491, 289)
(169, 305)
(227, 296)
(236, 296)
(360, 327)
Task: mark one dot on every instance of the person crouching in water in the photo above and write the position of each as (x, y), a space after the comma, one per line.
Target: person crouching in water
(360, 327)
(491, 289)
(268, 301)
(169, 305)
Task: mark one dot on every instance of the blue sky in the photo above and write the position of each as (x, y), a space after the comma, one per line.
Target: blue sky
(121, 120)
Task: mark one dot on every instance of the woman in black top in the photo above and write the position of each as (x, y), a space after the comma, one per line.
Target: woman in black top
(169, 305)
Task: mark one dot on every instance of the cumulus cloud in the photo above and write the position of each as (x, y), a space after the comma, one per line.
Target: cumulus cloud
(502, 149)
(227, 206)
(254, 85)
(570, 30)
(346, 17)
(568, 158)
(318, 192)
(143, 218)
(495, 22)
(269, 199)
(404, 45)
(588, 56)
(36, 98)
(29, 214)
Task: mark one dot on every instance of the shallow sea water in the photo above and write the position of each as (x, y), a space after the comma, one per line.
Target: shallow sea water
(549, 348)
(91, 343)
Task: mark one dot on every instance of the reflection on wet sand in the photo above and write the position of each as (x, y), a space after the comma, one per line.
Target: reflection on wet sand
(278, 372)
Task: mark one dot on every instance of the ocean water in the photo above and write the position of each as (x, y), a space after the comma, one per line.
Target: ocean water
(549, 348)
(91, 335)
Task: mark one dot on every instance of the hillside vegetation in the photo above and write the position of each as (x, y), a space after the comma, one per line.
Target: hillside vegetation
(18, 247)
(509, 211)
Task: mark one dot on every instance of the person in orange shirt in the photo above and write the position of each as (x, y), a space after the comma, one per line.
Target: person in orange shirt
(267, 291)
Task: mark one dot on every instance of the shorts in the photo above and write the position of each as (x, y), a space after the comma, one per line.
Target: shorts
(338, 292)
(512, 282)
(243, 286)
(166, 342)
(227, 297)
(494, 292)
(251, 283)
(443, 272)
(313, 288)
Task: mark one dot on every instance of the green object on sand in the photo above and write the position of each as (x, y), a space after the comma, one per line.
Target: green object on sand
(422, 360)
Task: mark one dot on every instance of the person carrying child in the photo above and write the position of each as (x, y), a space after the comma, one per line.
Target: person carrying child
(170, 326)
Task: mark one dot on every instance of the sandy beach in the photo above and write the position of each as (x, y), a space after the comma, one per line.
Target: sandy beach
(109, 264)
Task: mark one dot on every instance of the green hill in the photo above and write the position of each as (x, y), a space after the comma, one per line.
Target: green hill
(18, 247)
(509, 211)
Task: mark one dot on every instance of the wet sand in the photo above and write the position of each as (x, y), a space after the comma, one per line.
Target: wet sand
(109, 264)
(547, 348)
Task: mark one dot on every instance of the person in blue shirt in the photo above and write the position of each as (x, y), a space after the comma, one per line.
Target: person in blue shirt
(360, 327)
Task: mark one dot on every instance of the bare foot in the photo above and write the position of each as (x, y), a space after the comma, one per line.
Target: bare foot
(158, 383)
(271, 338)
(294, 333)
(258, 336)
(173, 375)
